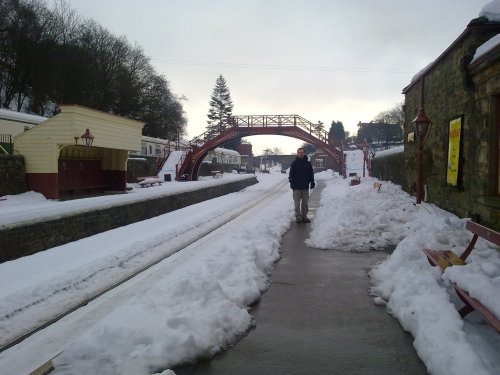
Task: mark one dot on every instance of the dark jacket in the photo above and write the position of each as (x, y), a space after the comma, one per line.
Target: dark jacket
(301, 174)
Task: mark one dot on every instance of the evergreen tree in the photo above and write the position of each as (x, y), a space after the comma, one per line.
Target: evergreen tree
(308, 148)
(336, 132)
(53, 57)
(221, 107)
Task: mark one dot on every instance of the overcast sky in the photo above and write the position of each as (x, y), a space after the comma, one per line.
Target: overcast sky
(325, 60)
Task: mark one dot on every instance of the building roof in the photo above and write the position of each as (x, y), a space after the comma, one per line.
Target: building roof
(27, 118)
(481, 23)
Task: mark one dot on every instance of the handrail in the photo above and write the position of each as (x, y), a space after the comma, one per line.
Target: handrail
(263, 121)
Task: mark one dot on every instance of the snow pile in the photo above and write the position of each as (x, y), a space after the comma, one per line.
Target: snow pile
(192, 305)
(360, 218)
(486, 47)
(380, 218)
(195, 310)
(479, 278)
(491, 11)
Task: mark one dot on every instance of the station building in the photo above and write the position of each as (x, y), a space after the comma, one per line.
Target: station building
(80, 150)
(460, 94)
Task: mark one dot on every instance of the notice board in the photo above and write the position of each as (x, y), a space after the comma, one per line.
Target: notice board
(454, 142)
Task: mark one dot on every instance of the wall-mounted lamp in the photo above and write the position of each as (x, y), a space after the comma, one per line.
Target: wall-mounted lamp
(87, 138)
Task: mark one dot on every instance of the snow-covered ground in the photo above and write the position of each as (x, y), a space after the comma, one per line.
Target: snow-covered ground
(195, 303)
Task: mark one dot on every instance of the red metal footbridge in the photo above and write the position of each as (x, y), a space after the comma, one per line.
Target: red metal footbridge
(293, 126)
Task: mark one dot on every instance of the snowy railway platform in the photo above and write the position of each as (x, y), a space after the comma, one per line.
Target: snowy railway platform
(323, 304)
(317, 318)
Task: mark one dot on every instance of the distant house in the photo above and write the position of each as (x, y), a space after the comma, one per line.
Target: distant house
(379, 133)
(222, 155)
(321, 161)
(59, 161)
(14, 123)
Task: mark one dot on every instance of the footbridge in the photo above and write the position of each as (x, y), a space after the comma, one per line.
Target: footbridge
(293, 126)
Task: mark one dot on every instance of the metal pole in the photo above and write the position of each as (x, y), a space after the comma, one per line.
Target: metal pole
(419, 171)
(420, 148)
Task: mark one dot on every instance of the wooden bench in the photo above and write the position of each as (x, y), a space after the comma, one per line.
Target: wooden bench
(447, 258)
(355, 181)
(149, 181)
(216, 174)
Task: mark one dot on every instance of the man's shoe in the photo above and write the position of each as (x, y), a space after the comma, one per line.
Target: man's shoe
(298, 220)
(306, 220)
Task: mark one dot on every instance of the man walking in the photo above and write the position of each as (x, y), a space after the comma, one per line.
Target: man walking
(301, 177)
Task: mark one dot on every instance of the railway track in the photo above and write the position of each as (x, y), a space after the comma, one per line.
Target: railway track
(217, 224)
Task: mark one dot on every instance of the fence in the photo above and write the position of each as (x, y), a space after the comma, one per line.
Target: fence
(6, 146)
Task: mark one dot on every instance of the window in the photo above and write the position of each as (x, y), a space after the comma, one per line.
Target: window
(157, 150)
(319, 163)
(144, 149)
(150, 150)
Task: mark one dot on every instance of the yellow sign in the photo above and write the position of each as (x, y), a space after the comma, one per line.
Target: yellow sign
(454, 151)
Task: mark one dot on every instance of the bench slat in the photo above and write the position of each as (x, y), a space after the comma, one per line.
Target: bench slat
(453, 258)
(443, 258)
(474, 304)
(484, 232)
(447, 258)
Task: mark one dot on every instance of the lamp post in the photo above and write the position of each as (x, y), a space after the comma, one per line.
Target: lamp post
(178, 141)
(365, 155)
(422, 127)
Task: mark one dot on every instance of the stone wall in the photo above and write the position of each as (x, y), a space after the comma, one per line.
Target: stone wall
(12, 175)
(451, 91)
(28, 239)
(392, 168)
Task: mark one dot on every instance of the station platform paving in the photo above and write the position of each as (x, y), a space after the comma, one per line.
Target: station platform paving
(317, 317)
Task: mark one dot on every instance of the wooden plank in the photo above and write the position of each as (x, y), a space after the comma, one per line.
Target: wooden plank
(479, 307)
(436, 258)
(484, 232)
(453, 258)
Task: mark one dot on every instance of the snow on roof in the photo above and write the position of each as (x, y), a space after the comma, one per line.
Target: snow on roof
(21, 117)
(394, 150)
(226, 151)
(491, 11)
(484, 48)
(156, 140)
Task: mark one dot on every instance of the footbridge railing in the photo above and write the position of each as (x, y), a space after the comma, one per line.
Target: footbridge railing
(242, 126)
(250, 121)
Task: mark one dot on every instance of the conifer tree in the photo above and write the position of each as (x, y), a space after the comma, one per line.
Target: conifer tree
(337, 131)
(221, 107)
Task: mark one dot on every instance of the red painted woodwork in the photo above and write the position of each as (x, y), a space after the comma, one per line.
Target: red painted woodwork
(44, 183)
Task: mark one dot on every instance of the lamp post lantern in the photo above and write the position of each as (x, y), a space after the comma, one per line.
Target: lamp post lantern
(87, 138)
